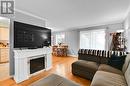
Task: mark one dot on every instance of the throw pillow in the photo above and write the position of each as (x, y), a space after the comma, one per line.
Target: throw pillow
(116, 61)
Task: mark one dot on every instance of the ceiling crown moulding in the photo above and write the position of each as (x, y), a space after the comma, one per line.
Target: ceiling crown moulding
(87, 26)
(30, 14)
(127, 13)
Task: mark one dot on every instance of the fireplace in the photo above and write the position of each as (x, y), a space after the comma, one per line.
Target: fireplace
(37, 64)
(29, 62)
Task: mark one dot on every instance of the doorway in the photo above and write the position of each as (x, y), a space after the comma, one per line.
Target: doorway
(4, 48)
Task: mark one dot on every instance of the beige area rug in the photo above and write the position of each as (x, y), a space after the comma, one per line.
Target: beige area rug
(54, 80)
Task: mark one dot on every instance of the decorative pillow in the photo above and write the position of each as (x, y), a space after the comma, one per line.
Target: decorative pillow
(116, 61)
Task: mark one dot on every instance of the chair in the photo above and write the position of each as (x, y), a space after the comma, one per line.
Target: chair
(54, 50)
(60, 51)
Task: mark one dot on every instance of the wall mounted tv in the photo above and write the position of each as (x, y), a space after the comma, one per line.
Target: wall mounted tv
(30, 36)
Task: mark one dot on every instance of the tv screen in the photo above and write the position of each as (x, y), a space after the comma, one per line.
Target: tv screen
(30, 36)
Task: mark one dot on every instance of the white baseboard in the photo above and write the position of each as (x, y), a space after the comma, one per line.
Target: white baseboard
(11, 76)
(72, 55)
(48, 68)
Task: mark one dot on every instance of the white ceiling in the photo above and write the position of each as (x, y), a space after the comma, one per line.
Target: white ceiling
(66, 14)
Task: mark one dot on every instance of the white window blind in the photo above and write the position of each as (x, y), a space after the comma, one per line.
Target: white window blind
(92, 39)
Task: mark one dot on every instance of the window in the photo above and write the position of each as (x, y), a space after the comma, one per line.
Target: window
(93, 39)
(60, 38)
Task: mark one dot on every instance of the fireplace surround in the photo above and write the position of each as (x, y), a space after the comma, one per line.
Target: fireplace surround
(29, 62)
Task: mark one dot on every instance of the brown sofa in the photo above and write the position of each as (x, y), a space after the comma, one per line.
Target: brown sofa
(92, 65)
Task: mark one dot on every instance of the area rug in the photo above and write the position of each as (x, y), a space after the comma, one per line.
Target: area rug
(54, 80)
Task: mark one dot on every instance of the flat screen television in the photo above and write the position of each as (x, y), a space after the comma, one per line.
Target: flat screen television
(31, 36)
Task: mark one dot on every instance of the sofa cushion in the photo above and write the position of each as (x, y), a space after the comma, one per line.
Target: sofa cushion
(116, 61)
(85, 69)
(127, 61)
(102, 78)
(86, 65)
(127, 75)
(108, 68)
(88, 57)
(104, 60)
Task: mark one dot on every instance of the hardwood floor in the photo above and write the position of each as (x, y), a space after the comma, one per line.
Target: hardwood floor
(61, 66)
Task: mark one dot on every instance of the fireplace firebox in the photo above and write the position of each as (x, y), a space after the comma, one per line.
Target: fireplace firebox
(37, 64)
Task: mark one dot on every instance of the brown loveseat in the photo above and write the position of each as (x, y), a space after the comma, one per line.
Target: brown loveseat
(92, 65)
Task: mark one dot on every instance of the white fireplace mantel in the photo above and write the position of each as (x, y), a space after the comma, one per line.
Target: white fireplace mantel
(22, 57)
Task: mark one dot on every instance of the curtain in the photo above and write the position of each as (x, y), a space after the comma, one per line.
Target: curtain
(92, 39)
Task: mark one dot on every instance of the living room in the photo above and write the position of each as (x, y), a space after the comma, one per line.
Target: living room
(72, 31)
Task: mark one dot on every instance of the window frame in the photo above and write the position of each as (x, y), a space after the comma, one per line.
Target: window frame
(60, 37)
(91, 38)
